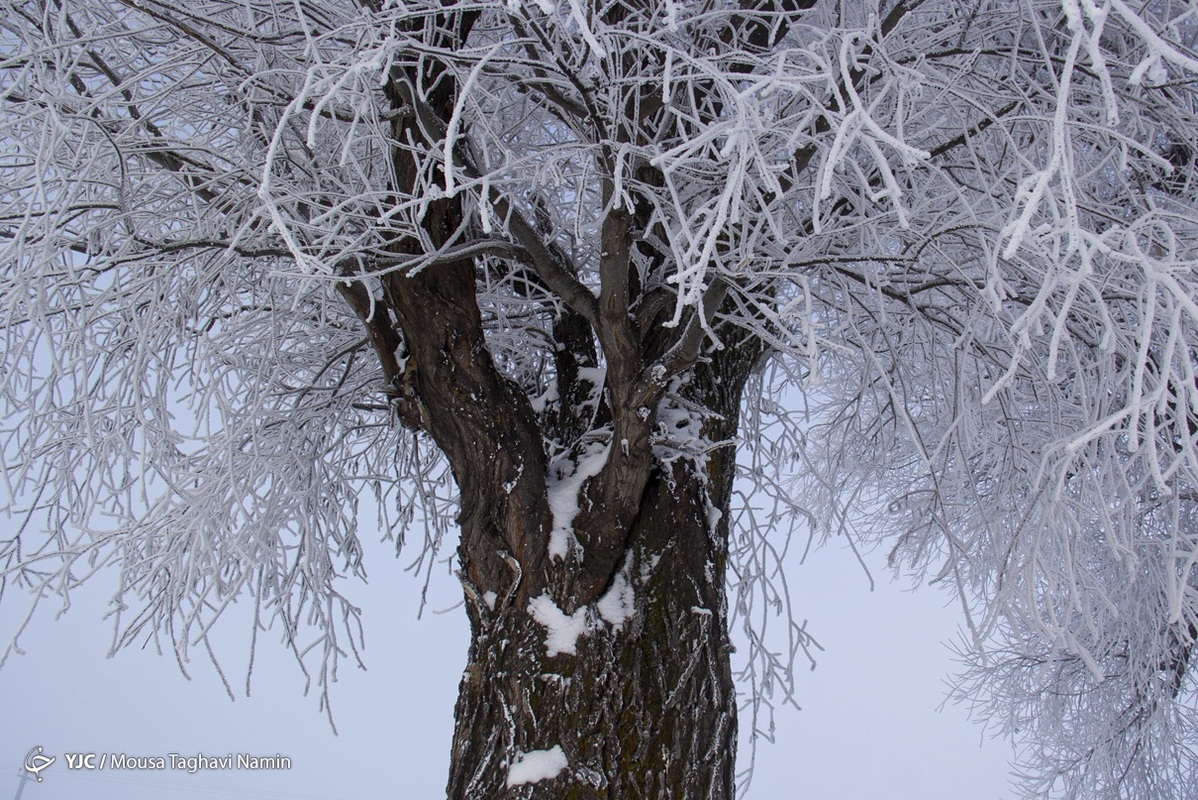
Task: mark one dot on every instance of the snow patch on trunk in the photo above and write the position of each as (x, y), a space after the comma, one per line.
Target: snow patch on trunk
(679, 427)
(562, 631)
(566, 478)
(546, 398)
(536, 765)
(618, 603)
(714, 515)
(647, 566)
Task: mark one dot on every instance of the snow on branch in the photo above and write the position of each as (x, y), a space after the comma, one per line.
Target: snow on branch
(961, 238)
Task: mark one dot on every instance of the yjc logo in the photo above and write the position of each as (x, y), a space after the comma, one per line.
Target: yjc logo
(35, 762)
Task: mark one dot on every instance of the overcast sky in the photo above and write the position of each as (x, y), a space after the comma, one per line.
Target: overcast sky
(869, 728)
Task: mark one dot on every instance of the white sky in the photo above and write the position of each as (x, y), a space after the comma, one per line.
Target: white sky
(869, 728)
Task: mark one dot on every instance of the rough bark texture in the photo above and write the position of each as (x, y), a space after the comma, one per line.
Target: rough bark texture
(645, 709)
(642, 702)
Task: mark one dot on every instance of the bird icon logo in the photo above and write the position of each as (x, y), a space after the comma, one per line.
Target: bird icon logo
(35, 762)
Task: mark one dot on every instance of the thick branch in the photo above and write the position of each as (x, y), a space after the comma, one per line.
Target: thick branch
(483, 423)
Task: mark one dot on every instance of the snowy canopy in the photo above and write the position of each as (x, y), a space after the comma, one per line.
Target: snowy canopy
(963, 234)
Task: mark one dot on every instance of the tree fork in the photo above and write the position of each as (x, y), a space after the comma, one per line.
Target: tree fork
(643, 708)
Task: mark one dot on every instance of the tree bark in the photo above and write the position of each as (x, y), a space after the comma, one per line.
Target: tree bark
(644, 708)
(602, 672)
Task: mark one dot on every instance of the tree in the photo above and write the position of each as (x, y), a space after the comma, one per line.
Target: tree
(549, 267)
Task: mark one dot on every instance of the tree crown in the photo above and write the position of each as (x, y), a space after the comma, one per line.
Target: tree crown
(965, 233)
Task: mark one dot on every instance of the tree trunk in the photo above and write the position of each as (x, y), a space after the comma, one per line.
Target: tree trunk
(642, 704)
(597, 669)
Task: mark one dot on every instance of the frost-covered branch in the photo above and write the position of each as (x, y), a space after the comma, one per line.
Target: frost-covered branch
(515, 261)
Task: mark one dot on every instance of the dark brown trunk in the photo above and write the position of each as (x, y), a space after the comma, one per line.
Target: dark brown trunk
(606, 673)
(645, 708)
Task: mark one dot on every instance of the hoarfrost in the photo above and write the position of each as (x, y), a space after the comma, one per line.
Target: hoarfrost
(1003, 335)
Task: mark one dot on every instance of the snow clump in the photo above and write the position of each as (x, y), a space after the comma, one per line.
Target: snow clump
(562, 631)
(536, 765)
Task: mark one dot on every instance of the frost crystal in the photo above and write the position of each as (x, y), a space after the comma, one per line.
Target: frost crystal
(944, 305)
